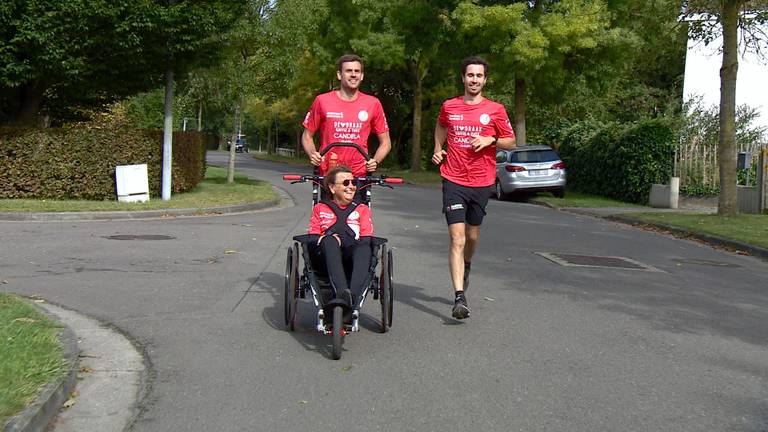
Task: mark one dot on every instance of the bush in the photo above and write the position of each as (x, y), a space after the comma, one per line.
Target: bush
(79, 162)
(619, 161)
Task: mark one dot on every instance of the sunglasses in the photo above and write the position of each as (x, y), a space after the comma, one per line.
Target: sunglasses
(347, 182)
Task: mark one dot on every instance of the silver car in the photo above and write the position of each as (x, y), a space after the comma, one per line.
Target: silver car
(530, 168)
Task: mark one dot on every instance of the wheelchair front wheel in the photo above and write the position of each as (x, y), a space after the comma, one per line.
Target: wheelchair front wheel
(338, 331)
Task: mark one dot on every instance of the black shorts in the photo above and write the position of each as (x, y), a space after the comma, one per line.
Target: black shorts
(464, 204)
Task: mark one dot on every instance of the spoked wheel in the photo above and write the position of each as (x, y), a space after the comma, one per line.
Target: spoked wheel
(390, 271)
(338, 331)
(291, 286)
(385, 287)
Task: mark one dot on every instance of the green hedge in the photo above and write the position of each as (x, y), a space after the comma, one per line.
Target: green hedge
(79, 162)
(620, 161)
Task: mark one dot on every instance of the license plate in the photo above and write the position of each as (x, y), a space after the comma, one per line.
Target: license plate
(537, 173)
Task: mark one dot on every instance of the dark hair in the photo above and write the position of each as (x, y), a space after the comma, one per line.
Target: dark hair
(349, 58)
(473, 60)
(330, 176)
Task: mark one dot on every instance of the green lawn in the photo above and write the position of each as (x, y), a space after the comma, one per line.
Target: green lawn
(30, 354)
(213, 191)
(576, 199)
(748, 228)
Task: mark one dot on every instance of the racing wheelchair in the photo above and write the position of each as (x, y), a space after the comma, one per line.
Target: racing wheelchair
(335, 317)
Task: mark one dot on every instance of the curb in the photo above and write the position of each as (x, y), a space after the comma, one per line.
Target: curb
(37, 416)
(713, 240)
(148, 214)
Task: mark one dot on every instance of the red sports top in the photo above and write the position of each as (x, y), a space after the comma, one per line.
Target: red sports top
(463, 165)
(345, 121)
(359, 220)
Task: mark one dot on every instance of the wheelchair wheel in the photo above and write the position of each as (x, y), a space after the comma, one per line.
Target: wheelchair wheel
(385, 288)
(291, 286)
(338, 331)
(390, 271)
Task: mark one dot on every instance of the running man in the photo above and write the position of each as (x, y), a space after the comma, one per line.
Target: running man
(346, 115)
(473, 127)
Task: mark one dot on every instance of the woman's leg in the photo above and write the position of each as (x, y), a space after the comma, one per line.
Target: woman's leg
(332, 254)
(361, 262)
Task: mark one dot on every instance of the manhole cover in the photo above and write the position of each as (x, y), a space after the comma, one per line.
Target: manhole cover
(704, 262)
(140, 237)
(574, 260)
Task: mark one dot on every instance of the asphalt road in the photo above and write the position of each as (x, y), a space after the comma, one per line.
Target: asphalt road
(548, 347)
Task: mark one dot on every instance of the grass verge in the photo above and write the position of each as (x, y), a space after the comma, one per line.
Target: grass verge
(30, 354)
(746, 228)
(213, 191)
(577, 199)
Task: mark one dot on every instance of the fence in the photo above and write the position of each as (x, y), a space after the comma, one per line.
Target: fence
(696, 164)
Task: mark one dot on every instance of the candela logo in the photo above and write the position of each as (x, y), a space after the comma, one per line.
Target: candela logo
(485, 119)
(362, 115)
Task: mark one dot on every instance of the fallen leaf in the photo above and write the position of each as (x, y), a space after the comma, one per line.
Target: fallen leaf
(230, 252)
(25, 320)
(347, 368)
(490, 299)
(303, 402)
(85, 369)
(4, 282)
(39, 301)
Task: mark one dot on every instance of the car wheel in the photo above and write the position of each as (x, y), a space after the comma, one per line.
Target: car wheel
(559, 193)
(499, 192)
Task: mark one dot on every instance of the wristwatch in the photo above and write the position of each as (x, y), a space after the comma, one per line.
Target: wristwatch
(495, 140)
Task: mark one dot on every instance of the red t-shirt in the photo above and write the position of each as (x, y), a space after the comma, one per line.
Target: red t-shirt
(345, 121)
(463, 165)
(359, 220)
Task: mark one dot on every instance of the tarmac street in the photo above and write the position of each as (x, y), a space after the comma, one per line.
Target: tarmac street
(677, 344)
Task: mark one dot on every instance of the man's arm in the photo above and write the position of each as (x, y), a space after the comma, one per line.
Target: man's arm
(385, 145)
(507, 143)
(308, 143)
(441, 134)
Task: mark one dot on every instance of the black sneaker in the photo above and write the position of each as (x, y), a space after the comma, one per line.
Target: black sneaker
(460, 308)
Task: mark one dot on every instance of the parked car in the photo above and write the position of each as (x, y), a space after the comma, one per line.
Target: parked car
(240, 146)
(530, 168)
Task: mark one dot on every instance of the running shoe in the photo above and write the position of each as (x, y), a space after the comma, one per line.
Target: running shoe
(460, 308)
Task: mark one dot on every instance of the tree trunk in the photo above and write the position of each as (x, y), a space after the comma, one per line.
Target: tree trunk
(233, 144)
(29, 107)
(418, 72)
(200, 116)
(520, 111)
(727, 204)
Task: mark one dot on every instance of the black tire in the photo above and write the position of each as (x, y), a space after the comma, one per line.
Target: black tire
(391, 269)
(559, 193)
(291, 286)
(338, 331)
(385, 294)
(498, 192)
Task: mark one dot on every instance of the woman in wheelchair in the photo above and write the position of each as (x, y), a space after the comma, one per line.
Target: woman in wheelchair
(344, 229)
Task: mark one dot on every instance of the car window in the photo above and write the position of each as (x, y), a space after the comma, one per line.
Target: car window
(501, 156)
(534, 156)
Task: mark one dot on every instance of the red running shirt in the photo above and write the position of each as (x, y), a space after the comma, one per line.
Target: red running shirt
(345, 121)
(359, 220)
(463, 165)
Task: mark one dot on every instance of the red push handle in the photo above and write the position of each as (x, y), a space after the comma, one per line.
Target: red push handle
(393, 180)
(291, 177)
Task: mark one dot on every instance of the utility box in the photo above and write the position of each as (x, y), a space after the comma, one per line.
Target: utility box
(132, 183)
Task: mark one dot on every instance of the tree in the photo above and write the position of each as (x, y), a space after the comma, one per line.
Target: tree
(59, 56)
(540, 41)
(708, 20)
